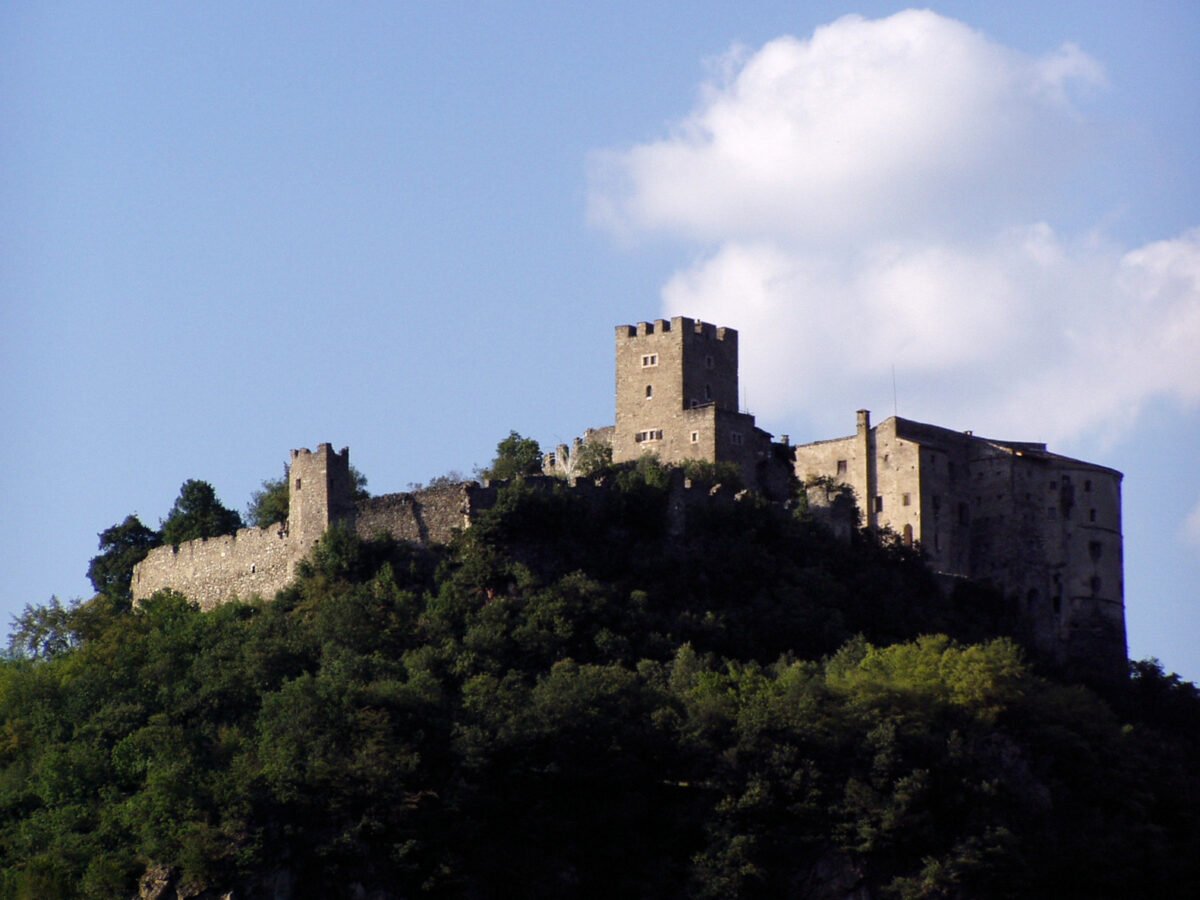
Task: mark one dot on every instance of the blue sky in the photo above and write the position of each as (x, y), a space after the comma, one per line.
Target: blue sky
(228, 230)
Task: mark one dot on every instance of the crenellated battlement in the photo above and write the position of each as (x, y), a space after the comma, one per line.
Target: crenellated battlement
(680, 326)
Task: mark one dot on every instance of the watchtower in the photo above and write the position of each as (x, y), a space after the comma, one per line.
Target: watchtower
(673, 378)
(320, 492)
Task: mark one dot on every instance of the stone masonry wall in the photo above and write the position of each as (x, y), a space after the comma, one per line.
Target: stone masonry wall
(430, 516)
(253, 562)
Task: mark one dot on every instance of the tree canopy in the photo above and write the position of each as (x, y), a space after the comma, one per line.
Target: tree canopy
(577, 699)
(122, 547)
(515, 456)
(197, 513)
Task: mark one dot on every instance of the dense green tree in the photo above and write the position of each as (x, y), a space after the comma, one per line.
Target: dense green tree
(198, 513)
(40, 632)
(515, 456)
(122, 547)
(581, 697)
(269, 504)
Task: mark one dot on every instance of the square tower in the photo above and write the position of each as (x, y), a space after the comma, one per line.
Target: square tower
(674, 380)
(320, 492)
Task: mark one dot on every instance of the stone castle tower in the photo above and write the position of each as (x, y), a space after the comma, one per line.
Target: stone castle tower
(320, 492)
(677, 397)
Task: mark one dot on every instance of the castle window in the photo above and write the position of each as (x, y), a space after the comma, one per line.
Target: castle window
(652, 434)
(735, 438)
(695, 437)
(906, 499)
(1058, 604)
(1095, 548)
(878, 503)
(708, 362)
(1087, 485)
(1092, 516)
(708, 392)
(649, 391)
(963, 515)
(650, 359)
(297, 484)
(908, 536)
(841, 467)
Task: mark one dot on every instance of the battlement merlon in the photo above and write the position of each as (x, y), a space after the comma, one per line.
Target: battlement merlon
(325, 449)
(678, 325)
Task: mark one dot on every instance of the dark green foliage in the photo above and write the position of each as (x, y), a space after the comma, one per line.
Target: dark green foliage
(515, 456)
(580, 698)
(198, 513)
(594, 457)
(269, 505)
(122, 547)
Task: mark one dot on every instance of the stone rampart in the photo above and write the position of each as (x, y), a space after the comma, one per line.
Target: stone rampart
(429, 516)
(253, 562)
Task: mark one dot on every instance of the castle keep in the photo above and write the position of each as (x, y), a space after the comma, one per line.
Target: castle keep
(677, 397)
(1041, 528)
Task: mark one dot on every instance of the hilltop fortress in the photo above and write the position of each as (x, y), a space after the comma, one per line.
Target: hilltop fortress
(1041, 528)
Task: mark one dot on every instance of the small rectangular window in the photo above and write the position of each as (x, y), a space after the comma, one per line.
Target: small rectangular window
(649, 391)
(841, 467)
(906, 500)
(735, 438)
(878, 503)
(1087, 485)
(1092, 516)
(708, 362)
(650, 359)
(297, 484)
(695, 437)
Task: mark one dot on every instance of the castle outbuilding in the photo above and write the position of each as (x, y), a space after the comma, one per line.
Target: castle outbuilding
(1042, 528)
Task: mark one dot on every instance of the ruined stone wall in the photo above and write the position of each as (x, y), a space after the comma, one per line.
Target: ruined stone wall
(429, 516)
(253, 562)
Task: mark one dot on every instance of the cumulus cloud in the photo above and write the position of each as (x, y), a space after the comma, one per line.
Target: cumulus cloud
(869, 198)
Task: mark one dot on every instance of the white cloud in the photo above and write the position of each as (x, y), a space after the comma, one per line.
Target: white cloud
(868, 125)
(864, 198)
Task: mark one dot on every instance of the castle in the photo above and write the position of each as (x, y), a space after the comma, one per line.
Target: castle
(1041, 528)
